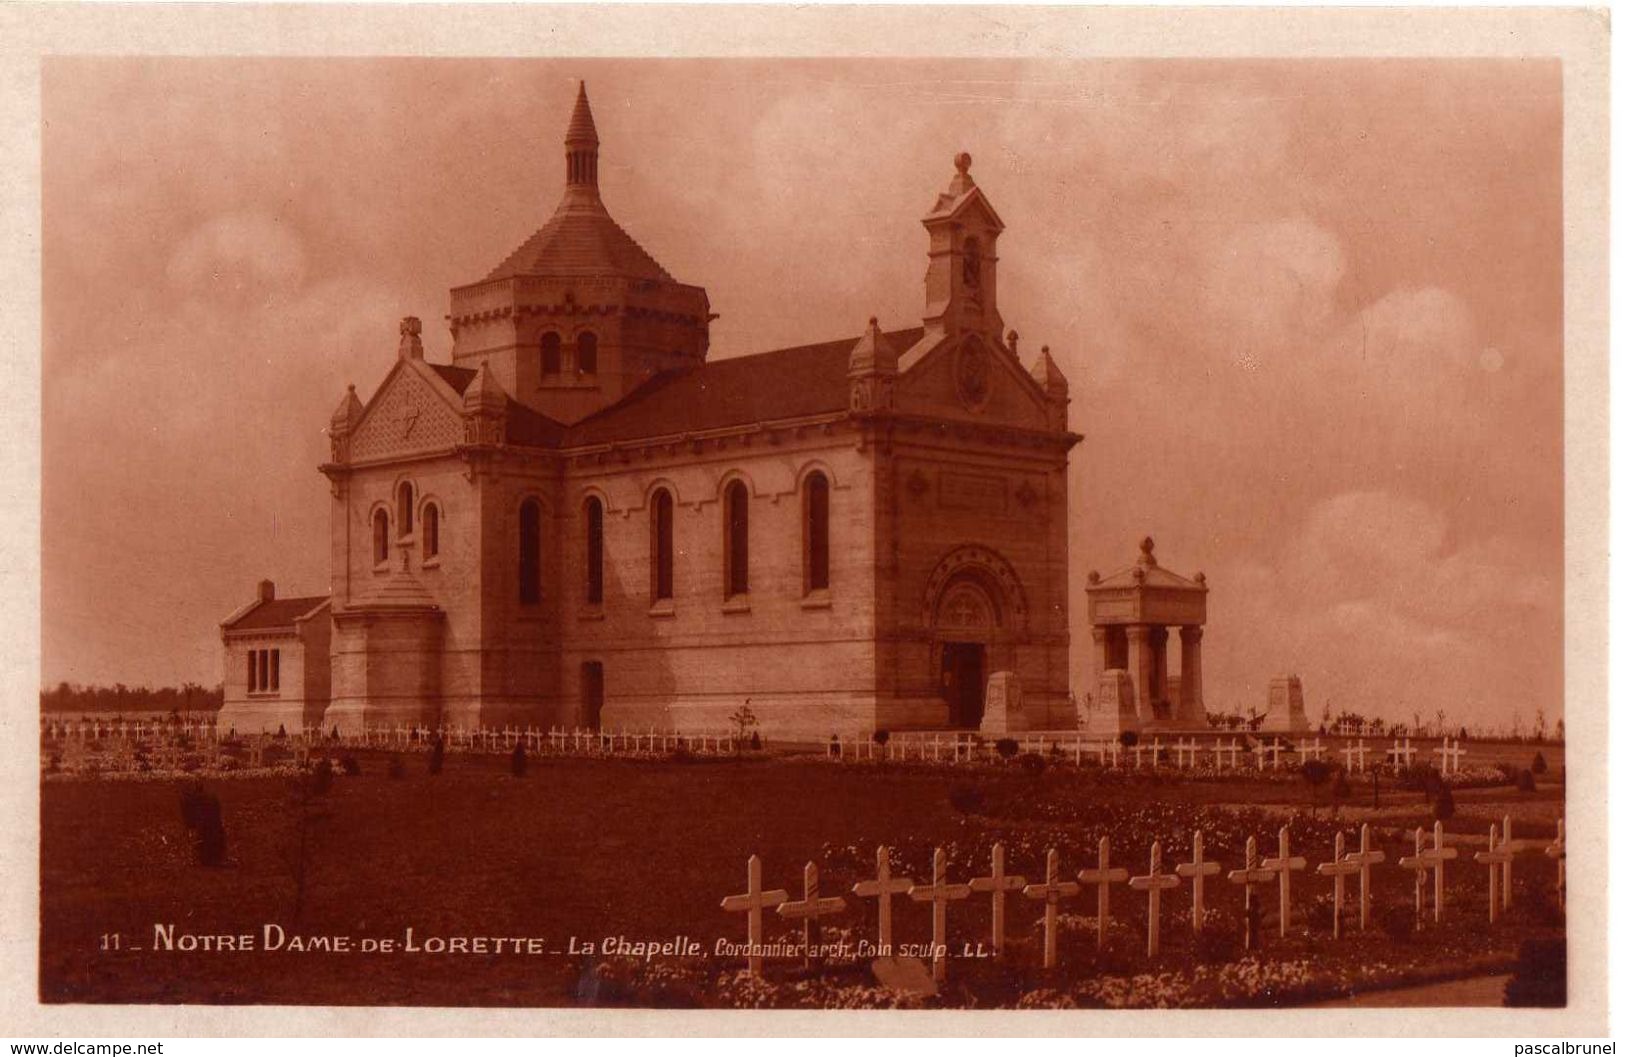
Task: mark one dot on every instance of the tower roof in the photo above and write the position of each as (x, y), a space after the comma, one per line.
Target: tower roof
(581, 239)
(582, 131)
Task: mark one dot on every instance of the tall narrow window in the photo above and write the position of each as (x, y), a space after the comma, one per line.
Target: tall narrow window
(530, 552)
(595, 551)
(403, 507)
(431, 531)
(587, 353)
(253, 670)
(380, 537)
(276, 669)
(660, 545)
(551, 358)
(736, 539)
(816, 505)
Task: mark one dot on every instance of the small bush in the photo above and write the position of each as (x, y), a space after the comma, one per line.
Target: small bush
(755, 741)
(1398, 922)
(517, 763)
(1539, 764)
(1033, 763)
(1444, 805)
(321, 776)
(967, 799)
(1526, 781)
(882, 737)
(397, 769)
(200, 813)
(1541, 976)
(1129, 738)
(1006, 748)
(351, 766)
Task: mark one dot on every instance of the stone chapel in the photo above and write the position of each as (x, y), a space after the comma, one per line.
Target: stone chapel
(583, 521)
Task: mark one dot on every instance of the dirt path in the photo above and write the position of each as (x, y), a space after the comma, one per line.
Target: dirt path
(1473, 991)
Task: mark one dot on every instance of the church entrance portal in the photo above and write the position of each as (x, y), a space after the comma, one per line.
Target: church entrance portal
(592, 693)
(963, 678)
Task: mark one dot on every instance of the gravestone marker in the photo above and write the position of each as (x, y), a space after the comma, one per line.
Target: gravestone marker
(1198, 871)
(939, 893)
(753, 901)
(1153, 884)
(998, 883)
(1338, 869)
(883, 887)
(1003, 713)
(1103, 876)
(1052, 891)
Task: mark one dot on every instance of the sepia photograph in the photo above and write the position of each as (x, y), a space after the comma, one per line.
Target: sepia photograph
(1051, 533)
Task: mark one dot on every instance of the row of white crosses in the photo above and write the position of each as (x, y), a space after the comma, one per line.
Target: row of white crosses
(1276, 870)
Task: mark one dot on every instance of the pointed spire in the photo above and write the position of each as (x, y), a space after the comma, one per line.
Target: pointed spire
(347, 414)
(581, 148)
(873, 353)
(484, 393)
(1048, 375)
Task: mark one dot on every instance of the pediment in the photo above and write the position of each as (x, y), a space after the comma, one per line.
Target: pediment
(409, 415)
(970, 379)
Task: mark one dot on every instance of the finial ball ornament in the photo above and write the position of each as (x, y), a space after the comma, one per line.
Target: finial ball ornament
(411, 325)
(962, 162)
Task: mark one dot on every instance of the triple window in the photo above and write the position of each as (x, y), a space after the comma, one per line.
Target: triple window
(552, 349)
(264, 671)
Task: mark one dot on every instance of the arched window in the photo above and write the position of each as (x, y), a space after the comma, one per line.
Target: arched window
(403, 507)
(815, 539)
(736, 539)
(595, 551)
(530, 552)
(380, 537)
(973, 261)
(660, 545)
(551, 357)
(587, 353)
(431, 531)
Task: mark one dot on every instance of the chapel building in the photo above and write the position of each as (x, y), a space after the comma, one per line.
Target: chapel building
(583, 521)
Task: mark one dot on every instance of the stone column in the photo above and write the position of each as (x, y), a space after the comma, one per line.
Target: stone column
(1192, 708)
(1140, 669)
(1102, 650)
(1159, 664)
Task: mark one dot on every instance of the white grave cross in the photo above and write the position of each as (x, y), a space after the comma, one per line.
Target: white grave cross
(1284, 864)
(1052, 891)
(1559, 850)
(1198, 870)
(1497, 857)
(753, 901)
(1353, 753)
(1103, 876)
(809, 908)
(1338, 869)
(1365, 859)
(938, 893)
(999, 883)
(1248, 876)
(883, 887)
(1153, 884)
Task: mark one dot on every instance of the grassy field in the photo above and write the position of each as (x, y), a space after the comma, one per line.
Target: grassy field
(584, 849)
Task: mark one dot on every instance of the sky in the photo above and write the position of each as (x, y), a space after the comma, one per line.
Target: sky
(1310, 312)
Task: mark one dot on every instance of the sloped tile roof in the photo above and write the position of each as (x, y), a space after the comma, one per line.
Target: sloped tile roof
(786, 383)
(277, 613)
(581, 239)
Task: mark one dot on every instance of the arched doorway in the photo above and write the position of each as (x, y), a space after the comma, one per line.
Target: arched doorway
(965, 624)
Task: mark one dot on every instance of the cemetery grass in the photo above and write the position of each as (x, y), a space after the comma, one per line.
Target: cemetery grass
(587, 849)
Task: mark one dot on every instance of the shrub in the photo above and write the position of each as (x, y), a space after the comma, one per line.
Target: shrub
(1397, 921)
(1538, 766)
(1006, 748)
(397, 769)
(516, 761)
(1541, 976)
(967, 799)
(437, 755)
(1444, 805)
(281, 730)
(321, 776)
(1509, 771)
(756, 741)
(200, 813)
(351, 765)
(1420, 778)
(1033, 763)
(882, 737)
(1526, 781)
(1129, 738)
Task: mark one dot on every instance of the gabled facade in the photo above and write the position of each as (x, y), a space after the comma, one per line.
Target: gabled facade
(582, 521)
